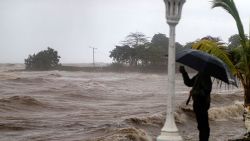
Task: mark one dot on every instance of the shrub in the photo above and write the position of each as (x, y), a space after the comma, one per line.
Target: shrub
(43, 60)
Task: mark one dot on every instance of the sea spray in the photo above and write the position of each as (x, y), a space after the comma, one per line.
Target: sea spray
(220, 113)
(234, 111)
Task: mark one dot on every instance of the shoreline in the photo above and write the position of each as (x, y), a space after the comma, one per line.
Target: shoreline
(112, 68)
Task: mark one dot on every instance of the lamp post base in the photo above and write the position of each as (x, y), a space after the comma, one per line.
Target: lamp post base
(169, 136)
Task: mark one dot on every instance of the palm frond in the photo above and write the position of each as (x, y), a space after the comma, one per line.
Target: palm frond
(216, 49)
(242, 56)
(230, 7)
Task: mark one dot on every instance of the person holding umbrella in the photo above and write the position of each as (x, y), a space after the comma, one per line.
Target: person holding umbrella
(207, 66)
(202, 86)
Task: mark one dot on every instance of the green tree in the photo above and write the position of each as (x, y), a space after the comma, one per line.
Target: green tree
(156, 56)
(238, 59)
(140, 55)
(160, 40)
(242, 62)
(158, 49)
(44, 60)
(137, 50)
(135, 39)
(123, 55)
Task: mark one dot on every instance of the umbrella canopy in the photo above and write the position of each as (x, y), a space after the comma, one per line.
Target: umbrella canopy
(202, 61)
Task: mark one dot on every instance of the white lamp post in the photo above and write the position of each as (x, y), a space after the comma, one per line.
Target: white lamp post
(169, 131)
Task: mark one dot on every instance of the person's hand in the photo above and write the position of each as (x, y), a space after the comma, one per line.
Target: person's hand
(182, 69)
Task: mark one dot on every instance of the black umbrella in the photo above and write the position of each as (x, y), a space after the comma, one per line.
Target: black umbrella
(202, 61)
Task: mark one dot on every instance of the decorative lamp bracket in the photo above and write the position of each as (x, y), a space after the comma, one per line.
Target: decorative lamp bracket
(173, 11)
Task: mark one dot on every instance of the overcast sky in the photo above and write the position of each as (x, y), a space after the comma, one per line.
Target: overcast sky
(71, 26)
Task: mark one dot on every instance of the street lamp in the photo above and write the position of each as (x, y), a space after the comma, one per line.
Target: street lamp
(169, 131)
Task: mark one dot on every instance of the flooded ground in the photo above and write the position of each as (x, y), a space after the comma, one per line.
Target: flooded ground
(81, 106)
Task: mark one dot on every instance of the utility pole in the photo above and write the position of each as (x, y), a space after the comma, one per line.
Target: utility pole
(93, 55)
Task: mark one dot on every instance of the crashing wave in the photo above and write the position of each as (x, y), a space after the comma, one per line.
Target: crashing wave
(7, 76)
(126, 134)
(234, 111)
(19, 102)
(157, 119)
(152, 120)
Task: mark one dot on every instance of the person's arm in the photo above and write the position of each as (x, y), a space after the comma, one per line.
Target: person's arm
(187, 81)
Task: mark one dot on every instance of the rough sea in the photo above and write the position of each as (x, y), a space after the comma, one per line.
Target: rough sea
(95, 106)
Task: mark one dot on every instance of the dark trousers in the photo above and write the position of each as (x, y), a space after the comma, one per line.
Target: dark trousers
(201, 107)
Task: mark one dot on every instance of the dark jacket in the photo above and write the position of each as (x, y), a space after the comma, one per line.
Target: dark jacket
(203, 81)
(199, 81)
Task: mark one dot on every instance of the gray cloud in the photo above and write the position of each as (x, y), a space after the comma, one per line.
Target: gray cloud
(71, 26)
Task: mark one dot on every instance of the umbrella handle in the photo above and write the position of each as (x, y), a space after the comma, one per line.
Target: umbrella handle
(188, 98)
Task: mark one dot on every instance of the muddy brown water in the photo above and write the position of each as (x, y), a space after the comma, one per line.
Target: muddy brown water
(83, 106)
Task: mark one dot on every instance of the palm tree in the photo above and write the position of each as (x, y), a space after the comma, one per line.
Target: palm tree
(238, 60)
(230, 7)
